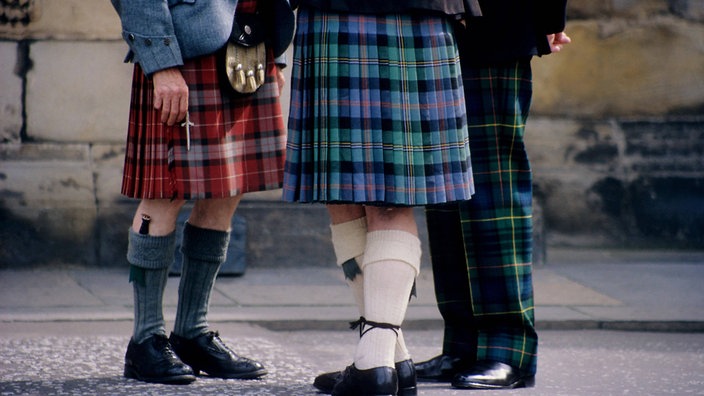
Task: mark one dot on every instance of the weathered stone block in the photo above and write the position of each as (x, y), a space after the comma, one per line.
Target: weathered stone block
(665, 148)
(47, 205)
(34, 177)
(688, 9)
(573, 163)
(653, 67)
(10, 94)
(63, 19)
(112, 225)
(78, 92)
(35, 236)
(603, 9)
(569, 145)
(669, 209)
(108, 162)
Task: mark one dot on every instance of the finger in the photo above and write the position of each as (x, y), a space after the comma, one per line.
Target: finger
(172, 115)
(166, 105)
(158, 100)
(183, 108)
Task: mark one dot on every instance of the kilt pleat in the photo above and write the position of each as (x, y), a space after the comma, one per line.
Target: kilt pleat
(237, 143)
(377, 111)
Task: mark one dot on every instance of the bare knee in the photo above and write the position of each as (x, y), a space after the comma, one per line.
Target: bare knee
(214, 214)
(341, 213)
(391, 218)
(161, 214)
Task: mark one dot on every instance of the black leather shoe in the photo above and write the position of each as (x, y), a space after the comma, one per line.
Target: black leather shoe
(487, 374)
(377, 381)
(209, 354)
(153, 360)
(441, 368)
(405, 372)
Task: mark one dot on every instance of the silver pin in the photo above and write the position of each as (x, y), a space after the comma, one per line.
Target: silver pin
(188, 124)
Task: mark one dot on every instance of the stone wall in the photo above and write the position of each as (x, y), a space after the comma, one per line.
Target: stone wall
(616, 134)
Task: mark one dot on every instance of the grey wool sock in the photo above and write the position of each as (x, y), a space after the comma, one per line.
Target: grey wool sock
(150, 258)
(203, 251)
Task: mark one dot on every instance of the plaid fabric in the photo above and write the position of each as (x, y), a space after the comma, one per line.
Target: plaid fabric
(237, 144)
(484, 276)
(377, 111)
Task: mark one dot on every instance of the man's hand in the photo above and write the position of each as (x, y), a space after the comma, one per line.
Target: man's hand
(170, 95)
(557, 40)
(280, 78)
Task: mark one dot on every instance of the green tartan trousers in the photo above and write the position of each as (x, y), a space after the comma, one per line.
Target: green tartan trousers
(481, 249)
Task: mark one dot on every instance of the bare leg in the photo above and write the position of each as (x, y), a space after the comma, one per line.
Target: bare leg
(214, 214)
(163, 214)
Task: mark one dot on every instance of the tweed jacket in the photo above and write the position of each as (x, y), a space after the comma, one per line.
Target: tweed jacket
(162, 33)
(510, 30)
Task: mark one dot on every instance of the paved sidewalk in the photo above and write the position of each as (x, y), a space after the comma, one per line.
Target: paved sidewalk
(64, 331)
(577, 289)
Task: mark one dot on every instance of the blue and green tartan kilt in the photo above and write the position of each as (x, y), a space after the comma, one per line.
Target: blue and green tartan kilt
(377, 111)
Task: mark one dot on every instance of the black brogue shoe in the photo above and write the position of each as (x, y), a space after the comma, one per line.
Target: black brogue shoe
(405, 372)
(209, 354)
(153, 360)
(487, 374)
(441, 368)
(377, 381)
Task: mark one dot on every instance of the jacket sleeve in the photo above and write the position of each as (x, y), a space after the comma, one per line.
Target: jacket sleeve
(551, 15)
(148, 29)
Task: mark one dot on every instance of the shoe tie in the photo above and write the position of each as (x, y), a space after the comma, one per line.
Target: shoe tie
(163, 345)
(362, 322)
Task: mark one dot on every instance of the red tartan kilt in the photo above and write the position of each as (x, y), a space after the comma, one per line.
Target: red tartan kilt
(237, 143)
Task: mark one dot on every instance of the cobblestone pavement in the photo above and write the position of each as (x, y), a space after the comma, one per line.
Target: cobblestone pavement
(56, 359)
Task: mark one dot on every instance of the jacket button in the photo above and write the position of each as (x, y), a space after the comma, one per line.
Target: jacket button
(167, 42)
(148, 42)
(131, 37)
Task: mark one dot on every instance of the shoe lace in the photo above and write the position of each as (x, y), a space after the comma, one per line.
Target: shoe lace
(214, 339)
(362, 322)
(162, 344)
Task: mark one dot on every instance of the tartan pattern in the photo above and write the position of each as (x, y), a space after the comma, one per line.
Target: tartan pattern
(377, 111)
(485, 290)
(237, 144)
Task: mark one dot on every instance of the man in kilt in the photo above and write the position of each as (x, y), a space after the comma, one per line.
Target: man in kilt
(377, 127)
(481, 249)
(190, 138)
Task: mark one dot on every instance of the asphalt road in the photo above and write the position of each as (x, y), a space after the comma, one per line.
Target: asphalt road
(85, 358)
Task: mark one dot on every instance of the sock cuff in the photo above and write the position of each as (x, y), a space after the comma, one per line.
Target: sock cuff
(349, 239)
(205, 244)
(151, 252)
(393, 245)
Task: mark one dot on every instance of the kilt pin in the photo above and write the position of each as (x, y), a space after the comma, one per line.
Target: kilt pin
(481, 249)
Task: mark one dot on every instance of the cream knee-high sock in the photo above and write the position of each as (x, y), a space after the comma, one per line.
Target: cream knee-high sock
(349, 239)
(391, 264)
